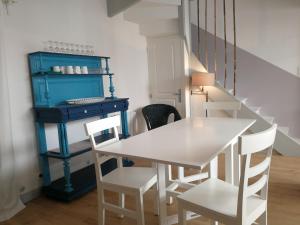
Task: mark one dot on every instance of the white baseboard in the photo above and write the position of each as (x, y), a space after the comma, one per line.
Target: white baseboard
(29, 196)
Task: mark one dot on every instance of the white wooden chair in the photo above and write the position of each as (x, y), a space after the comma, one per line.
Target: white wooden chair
(231, 157)
(124, 180)
(228, 204)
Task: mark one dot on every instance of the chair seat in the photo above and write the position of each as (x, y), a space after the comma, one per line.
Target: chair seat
(131, 177)
(215, 195)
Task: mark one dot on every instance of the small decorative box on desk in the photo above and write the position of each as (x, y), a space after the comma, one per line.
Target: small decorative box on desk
(51, 92)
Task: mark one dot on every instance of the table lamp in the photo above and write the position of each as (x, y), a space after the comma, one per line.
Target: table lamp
(201, 79)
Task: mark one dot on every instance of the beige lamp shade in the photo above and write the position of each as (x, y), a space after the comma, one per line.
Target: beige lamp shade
(203, 79)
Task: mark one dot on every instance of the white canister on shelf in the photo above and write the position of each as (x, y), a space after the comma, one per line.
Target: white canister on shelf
(56, 69)
(62, 69)
(70, 70)
(77, 70)
(84, 70)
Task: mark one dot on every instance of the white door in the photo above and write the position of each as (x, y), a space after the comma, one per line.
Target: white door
(168, 83)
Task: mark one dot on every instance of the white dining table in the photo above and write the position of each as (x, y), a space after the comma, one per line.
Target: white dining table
(190, 143)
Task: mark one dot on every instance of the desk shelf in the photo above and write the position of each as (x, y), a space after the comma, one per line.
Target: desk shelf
(78, 148)
(83, 180)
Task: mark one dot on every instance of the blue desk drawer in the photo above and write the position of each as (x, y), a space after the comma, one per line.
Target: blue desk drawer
(65, 113)
(114, 107)
(84, 112)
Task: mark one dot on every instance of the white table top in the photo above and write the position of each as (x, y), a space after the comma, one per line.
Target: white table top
(191, 142)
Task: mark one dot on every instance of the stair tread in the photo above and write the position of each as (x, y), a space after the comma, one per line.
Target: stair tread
(255, 109)
(284, 129)
(243, 99)
(297, 140)
(284, 144)
(270, 119)
(230, 91)
(149, 3)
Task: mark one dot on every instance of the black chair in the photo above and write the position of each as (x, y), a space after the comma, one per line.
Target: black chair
(157, 115)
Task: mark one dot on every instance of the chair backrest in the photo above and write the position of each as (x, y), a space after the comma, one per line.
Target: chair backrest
(249, 144)
(157, 115)
(94, 128)
(225, 106)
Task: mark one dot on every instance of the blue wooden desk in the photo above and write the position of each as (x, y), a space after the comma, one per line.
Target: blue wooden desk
(50, 92)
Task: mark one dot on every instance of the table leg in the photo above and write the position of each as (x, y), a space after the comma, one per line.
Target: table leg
(162, 194)
(229, 164)
(213, 173)
(180, 173)
(169, 181)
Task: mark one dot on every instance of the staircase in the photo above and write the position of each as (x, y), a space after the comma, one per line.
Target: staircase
(171, 17)
(154, 17)
(284, 143)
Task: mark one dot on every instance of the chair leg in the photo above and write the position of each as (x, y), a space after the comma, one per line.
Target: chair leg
(101, 209)
(168, 181)
(236, 166)
(263, 219)
(121, 203)
(229, 164)
(156, 198)
(101, 215)
(140, 209)
(156, 201)
(181, 215)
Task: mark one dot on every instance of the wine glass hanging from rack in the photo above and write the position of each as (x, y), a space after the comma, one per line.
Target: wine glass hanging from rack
(69, 48)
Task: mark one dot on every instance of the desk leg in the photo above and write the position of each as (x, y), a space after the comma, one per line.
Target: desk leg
(124, 121)
(162, 194)
(125, 132)
(229, 164)
(169, 181)
(42, 145)
(105, 132)
(64, 150)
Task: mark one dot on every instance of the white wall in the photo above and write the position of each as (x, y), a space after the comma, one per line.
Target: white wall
(268, 29)
(78, 21)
